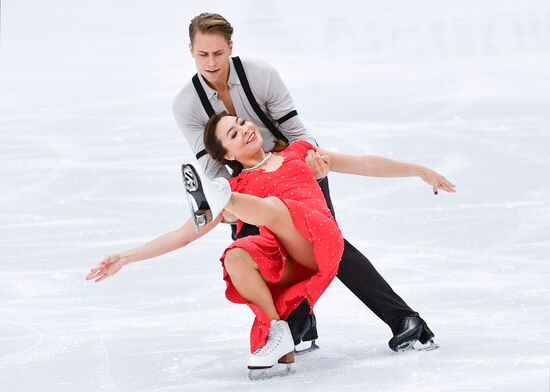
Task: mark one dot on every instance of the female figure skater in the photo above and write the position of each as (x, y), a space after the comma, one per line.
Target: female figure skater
(297, 252)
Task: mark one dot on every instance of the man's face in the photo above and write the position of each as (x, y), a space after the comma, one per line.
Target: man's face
(211, 53)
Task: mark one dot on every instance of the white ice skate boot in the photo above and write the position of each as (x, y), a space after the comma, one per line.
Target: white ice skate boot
(279, 349)
(206, 198)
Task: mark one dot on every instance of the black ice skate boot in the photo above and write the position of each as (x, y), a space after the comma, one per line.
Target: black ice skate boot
(408, 331)
(303, 327)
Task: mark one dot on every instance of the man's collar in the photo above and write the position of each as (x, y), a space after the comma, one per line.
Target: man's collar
(232, 80)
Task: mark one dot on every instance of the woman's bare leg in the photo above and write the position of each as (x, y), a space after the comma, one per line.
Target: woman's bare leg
(272, 213)
(248, 281)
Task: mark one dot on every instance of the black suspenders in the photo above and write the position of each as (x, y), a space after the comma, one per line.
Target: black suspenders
(205, 104)
(259, 112)
(251, 100)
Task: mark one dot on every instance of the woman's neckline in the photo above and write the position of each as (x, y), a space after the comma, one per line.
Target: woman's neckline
(262, 168)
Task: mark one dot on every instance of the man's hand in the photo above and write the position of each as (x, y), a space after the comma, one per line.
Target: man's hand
(319, 164)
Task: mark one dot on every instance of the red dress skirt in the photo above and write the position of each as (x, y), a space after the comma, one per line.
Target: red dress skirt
(294, 184)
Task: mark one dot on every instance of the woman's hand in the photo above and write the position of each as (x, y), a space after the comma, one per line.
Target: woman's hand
(108, 267)
(319, 164)
(437, 181)
(228, 217)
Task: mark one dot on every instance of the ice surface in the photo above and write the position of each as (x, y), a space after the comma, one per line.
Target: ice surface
(89, 165)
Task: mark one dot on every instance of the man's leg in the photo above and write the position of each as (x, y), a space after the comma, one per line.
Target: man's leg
(359, 275)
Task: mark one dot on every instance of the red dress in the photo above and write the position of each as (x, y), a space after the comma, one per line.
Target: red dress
(294, 183)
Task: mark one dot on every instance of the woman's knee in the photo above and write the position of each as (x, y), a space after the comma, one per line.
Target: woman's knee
(277, 204)
(277, 213)
(237, 261)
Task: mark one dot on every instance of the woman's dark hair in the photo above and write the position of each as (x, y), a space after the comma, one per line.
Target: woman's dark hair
(215, 148)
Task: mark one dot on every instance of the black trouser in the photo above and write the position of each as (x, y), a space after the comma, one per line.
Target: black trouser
(358, 274)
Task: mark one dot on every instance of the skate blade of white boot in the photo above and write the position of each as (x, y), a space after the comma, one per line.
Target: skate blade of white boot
(416, 345)
(200, 217)
(277, 370)
(302, 351)
(281, 368)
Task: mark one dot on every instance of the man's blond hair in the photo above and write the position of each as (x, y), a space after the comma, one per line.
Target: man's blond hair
(210, 23)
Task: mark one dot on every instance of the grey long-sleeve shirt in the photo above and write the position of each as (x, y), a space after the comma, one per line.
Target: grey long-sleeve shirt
(270, 93)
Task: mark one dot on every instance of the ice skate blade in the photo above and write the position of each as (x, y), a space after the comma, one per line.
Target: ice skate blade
(195, 197)
(278, 370)
(415, 345)
(311, 348)
(288, 358)
(200, 217)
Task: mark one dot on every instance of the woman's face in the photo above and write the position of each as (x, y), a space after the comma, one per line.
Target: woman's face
(240, 138)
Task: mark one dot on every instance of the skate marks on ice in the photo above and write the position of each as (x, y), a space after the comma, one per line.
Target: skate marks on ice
(232, 367)
(36, 169)
(17, 339)
(480, 269)
(107, 368)
(26, 165)
(329, 364)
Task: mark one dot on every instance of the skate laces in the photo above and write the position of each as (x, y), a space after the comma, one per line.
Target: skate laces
(220, 184)
(274, 339)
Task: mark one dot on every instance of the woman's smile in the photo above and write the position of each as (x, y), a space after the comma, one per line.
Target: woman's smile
(252, 137)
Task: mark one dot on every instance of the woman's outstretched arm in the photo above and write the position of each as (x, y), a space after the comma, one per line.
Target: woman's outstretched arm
(375, 166)
(165, 243)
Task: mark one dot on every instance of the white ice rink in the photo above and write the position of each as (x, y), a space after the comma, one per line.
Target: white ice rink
(89, 165)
